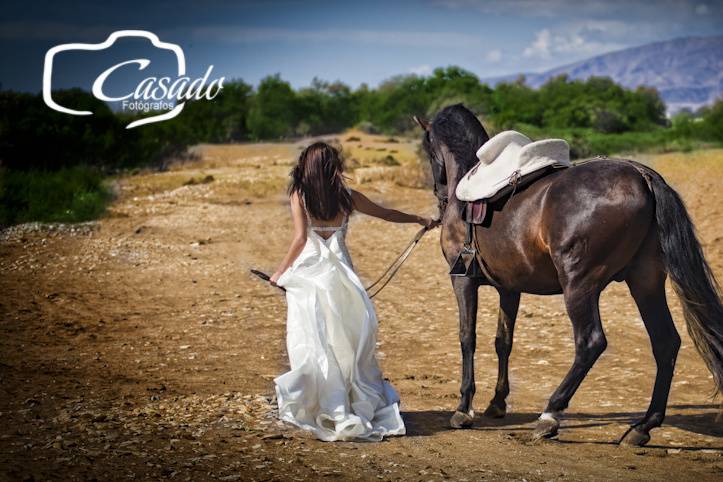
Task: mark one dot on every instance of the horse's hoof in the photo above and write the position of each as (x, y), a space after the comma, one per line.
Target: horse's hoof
(545, 428)
(635, 438)
(461, 419)
(495, 411)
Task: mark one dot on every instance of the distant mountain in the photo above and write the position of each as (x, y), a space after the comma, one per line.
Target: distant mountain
(688, 72)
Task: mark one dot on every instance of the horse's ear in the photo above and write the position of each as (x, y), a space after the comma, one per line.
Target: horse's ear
(421, 122)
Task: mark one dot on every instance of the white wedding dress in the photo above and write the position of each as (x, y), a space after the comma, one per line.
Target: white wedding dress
(334, 388)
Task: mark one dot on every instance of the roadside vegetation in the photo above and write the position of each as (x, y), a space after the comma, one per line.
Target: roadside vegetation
(52, 165)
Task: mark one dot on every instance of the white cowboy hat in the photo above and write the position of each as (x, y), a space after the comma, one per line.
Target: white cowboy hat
(509, 154)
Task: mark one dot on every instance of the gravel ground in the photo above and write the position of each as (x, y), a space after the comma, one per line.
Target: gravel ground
(139, 347)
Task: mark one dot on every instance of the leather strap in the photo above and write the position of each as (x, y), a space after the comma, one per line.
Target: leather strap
(471, 245)
(482, 264)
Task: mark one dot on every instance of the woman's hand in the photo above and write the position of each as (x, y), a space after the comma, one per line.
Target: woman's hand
(298, 241)
(429, 223)
(275, 277)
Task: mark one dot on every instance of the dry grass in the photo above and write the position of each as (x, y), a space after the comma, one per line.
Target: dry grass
(679, 164)
(376, 158)
(261, 170)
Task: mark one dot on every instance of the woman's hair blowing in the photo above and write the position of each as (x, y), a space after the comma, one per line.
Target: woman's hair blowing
(318, 179)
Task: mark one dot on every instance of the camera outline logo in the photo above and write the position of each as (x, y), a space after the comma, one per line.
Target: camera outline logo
(181, 88)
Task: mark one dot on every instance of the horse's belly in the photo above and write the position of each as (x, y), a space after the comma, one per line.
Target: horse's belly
(542, 279)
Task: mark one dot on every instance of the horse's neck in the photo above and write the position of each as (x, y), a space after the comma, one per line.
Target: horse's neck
(452, 215)
(455, 172)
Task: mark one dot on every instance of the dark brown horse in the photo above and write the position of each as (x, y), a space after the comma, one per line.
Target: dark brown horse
(573, 232)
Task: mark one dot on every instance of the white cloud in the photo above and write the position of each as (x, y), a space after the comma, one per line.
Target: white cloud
(494, 56)
(540, 47)
(421, 70)
(586, 38)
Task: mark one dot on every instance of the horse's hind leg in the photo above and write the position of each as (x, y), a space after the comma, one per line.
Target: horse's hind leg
(583, 307)
(647, 285)
(509, 303)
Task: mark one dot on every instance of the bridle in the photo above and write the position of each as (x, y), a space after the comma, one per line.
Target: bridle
(441, 191)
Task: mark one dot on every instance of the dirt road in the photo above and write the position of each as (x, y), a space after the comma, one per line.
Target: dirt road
(139, 347)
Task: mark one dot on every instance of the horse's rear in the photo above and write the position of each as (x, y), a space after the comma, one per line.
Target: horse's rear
(595, 218)
(617, 220)
(598, 225)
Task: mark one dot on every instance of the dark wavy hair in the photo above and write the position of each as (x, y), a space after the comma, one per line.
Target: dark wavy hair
(318, 179)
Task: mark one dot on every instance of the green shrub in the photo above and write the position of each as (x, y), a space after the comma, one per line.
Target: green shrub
(367, 127)
(711, 125)
(71, 194)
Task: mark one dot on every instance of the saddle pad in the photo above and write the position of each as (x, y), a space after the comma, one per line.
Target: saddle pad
(475, 212)
(507, 157)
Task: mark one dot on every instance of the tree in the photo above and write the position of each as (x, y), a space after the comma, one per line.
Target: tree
(223, 119)
(273, 113)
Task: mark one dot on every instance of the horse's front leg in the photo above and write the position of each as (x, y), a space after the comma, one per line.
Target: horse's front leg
(509, 303)
(466, 291)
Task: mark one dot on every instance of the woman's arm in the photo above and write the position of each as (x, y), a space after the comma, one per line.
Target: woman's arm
(298, 216)
(364, 205)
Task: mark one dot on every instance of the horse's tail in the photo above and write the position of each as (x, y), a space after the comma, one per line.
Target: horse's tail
(693, 280)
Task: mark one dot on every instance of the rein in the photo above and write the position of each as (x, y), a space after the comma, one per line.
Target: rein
(398, 262)
(390, 271)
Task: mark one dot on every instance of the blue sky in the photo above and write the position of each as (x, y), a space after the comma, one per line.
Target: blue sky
(355, 42)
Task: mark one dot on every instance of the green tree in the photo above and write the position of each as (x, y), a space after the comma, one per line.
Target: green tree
(711, 127)
(273, 112)
(223, 119)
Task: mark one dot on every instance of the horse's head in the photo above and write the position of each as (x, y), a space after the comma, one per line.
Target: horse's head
(439, 173)
(451, 141)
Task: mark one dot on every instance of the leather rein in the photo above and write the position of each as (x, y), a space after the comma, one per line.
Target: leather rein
(388, 274)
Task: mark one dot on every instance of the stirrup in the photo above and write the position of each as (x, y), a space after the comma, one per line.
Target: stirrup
(458, 268)
(473, 268)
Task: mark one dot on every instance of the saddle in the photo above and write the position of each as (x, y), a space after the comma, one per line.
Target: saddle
(507, 162)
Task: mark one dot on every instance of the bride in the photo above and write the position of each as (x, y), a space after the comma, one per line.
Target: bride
(335, 388)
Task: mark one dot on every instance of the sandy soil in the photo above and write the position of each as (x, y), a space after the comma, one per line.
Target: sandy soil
(140, 347)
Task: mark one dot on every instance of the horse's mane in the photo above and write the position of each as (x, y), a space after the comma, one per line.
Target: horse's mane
(458, 128)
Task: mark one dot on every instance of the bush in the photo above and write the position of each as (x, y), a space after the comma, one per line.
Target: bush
(596, 116)
(580, 148)
(33, 136)
(71, 194)
(367, 127)
(609, 122)
(711, 126)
